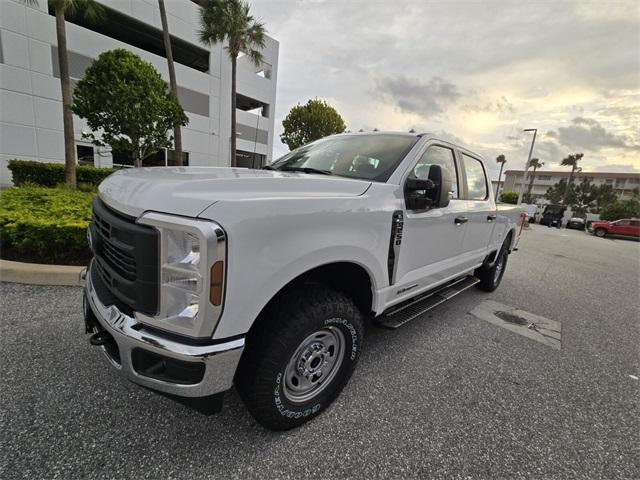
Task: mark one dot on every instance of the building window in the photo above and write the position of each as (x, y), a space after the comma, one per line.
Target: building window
(249, 159)
(84, 154)
(544, 177)
(161, 158)
(252, 105)
(133, 32)
(609, 180)
(171, 158)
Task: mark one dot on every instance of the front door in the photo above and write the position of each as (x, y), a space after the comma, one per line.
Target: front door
(431, 239)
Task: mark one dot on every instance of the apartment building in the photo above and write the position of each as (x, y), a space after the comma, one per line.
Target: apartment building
(31, 102)
(623, 183)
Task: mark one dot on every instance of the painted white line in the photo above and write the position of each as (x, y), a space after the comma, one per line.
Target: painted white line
(634, 377)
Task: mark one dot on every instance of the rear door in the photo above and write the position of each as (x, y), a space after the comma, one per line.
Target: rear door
(635, 228)
(480, 211)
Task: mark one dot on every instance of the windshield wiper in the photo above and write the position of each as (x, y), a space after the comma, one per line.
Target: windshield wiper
(305, 170)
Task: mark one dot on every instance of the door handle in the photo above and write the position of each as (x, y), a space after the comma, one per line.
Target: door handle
(491, 218)
(461, 220)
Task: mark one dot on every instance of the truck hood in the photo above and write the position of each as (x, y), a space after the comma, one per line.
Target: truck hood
(189, 191)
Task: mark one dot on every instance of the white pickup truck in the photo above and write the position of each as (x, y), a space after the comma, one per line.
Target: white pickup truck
(203, 278)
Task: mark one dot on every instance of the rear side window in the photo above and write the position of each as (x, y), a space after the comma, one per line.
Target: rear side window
(635, 223)
(476, 178)
(437, 155)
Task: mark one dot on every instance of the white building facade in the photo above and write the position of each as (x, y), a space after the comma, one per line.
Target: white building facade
(31, 100)
(623, 183)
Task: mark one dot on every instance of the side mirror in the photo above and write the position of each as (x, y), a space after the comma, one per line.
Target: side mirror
(442, 179)
(430, 192)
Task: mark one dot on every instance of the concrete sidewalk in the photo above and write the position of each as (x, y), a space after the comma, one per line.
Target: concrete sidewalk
(38, 274)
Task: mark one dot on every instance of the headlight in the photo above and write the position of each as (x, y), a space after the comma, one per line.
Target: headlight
(192, 260)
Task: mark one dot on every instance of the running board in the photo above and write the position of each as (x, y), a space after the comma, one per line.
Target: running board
(398, 315)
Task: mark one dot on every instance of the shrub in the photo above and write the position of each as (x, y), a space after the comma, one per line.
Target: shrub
(509, 197)
(45, 225)
(52, 174)
(621, 209)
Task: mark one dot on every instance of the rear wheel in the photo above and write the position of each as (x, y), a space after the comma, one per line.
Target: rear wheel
(490, 277)
(300, 357)
(600, 232)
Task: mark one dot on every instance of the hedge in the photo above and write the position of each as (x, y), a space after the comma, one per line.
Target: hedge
(26, 172)
(45, 225)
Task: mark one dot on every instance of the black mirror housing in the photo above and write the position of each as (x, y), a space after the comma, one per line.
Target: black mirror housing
(442, 179)
(433, 192)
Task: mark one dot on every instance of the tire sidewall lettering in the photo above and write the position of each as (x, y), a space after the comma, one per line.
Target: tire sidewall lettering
(281, 404)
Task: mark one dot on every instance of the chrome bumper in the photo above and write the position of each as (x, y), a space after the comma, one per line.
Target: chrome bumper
(220, 360)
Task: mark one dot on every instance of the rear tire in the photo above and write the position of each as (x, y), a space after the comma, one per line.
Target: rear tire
(600, 232)
(490, 277)
(300, 356)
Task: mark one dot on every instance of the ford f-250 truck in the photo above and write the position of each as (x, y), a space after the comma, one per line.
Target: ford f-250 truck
(203, 278)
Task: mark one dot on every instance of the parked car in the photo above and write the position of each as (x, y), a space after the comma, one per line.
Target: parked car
(552, 215)
(576, 223)
(628, 227)
(207, 277)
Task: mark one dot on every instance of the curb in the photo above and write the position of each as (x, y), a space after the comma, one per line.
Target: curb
(39, 274)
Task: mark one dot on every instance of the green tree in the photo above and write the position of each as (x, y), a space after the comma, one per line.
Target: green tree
(557, 192)
(583, 197)
(306, 123)
(571, 161)
(534, 163)
(92, 11)
(230, 21)
(126, 99)
(621, 209)
(509, 197)
(604, 195)
(501, 159)
(177, 133)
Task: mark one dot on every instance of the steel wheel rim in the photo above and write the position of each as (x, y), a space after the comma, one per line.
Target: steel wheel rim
(314, 364)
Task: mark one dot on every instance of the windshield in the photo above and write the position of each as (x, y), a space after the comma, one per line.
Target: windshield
(369, 157)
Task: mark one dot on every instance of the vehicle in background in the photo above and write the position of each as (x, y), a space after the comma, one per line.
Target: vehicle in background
(576, 223)
(626, 227)
(530, 210)
(552, 215)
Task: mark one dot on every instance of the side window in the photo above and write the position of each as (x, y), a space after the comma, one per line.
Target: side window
(635, 223)
(436, 155)
(476, 178)
(622, 223)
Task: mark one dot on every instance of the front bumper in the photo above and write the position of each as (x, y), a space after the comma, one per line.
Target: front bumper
(219, 360)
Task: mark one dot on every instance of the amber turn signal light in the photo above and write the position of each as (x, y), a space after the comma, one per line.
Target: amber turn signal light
(217, 277)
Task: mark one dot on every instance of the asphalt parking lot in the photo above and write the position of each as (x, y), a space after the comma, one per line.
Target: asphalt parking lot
(447, 395)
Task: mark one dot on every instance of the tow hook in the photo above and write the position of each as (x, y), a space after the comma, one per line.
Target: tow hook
(100, 339)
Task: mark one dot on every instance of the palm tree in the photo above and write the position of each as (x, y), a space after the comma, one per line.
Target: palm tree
(230, 21)
(571, 161)
(177, 132)
(92, 11)
(534, 163)
(501, 160)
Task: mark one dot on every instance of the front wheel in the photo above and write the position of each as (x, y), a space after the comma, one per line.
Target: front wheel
(300, 357)
(600, 232)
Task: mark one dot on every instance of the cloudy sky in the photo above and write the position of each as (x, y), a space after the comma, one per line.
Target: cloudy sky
(476, 71)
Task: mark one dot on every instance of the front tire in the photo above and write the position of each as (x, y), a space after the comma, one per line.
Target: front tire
(300, 357)
(600, 232)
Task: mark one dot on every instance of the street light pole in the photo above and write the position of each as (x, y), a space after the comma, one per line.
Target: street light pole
(526, 165)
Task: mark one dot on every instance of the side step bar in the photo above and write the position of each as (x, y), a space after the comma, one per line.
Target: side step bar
(398, 315)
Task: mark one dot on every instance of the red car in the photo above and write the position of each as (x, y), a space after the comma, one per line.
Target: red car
(629, 227)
